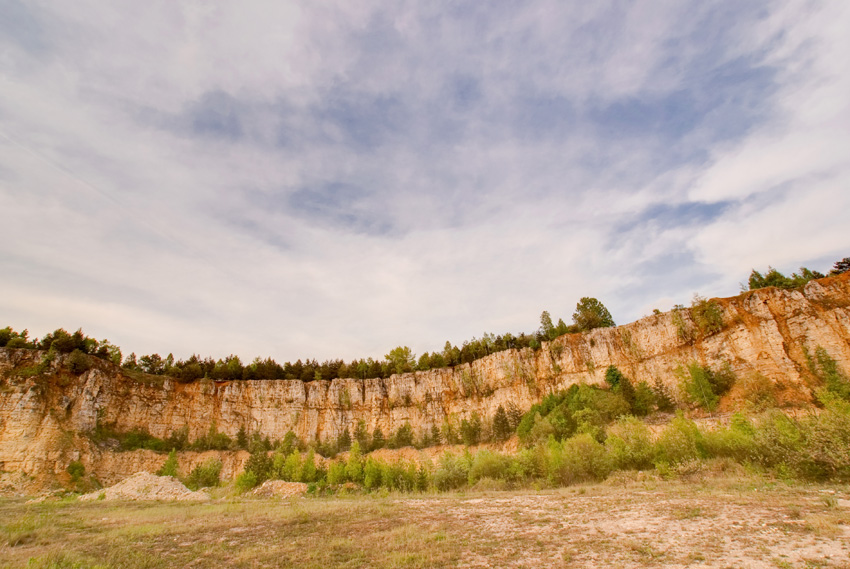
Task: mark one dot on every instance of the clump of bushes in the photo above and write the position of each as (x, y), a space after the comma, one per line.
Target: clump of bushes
(205, 475)
(703, 386)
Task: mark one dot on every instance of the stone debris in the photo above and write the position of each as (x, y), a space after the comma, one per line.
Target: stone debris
(147, 486)
(280, 489)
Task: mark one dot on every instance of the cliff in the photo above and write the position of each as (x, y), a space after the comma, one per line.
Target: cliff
(44, 416)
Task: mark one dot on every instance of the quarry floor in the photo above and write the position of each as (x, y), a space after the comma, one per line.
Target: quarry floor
(722, 522)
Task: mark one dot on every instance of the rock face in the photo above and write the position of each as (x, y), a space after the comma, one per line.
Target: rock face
(767, 332)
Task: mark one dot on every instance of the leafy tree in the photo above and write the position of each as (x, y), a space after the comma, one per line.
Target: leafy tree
(590, 314)
(547, 329)
(204, 475)
(401, 359)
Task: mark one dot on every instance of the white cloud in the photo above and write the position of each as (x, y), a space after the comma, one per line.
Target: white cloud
(503, 163)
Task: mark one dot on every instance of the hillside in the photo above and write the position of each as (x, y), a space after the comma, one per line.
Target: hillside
(768, 334)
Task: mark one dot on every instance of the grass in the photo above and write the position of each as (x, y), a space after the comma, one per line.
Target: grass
(722, 521)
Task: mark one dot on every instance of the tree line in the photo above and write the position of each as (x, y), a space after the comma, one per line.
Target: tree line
(589, 314)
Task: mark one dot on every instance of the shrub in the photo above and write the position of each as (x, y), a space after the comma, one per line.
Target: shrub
(629, 445)
(487, 464)
(78, 362)
(680, 441)
(707, 315)
(737, 441)
(261, 465)
(577, 459)
(644, 399)
(779, 441)
(77, 470)
(452, 472)
(371, 474)
(703, 386)
(169, 467)
(246, 480)
(204, 475)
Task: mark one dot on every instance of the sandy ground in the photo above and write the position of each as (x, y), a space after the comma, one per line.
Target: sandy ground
(662, 527)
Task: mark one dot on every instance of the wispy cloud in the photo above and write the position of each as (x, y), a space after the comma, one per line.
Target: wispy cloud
(293, 179)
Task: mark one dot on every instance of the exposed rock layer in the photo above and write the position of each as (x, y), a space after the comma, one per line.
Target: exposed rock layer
(765, 332)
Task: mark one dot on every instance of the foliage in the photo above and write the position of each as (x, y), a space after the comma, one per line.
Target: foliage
(470, 430)
(401, 359)
(77, 470)
(590, 314)
(680, 441)
(169, 467)
(629, 445)
(501, 425)
(213, 440)
(204, 475)
(78, 362)
(707, 315)
(703, 386)
(581, 408)
(841, 266)
(776, 279)
(825, 369)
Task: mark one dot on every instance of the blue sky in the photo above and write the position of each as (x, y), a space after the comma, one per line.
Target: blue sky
(296, 179)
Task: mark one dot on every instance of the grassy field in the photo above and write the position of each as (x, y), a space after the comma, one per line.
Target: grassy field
(625, 522)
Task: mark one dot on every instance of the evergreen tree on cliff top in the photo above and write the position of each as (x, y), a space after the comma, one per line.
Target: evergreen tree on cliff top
(590, 314)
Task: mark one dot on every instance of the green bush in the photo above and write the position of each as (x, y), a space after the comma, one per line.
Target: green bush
(629, 445)
(261, 465)
(488, 464)
(703, 386)
(78, 362)
(452, 471)
(578, 459)
(707, 315)
(204, 475)
(246, 481)
(737, 441)
(76, 470)
(169, 467)
(680, 441)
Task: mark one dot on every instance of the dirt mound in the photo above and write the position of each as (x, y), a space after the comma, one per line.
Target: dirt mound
(147, 486)
(280, 489)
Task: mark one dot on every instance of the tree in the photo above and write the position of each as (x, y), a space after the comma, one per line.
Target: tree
(547, 329)
(501, 425)
(401, 359)
(590, 314)
(841, 266)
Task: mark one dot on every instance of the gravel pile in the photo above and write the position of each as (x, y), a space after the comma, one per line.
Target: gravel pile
(147, 486)
(280, 489)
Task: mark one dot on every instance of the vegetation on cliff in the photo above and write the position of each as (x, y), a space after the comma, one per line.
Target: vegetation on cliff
(589, 314)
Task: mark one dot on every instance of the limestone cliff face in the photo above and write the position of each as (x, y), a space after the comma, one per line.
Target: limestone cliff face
(766, 332)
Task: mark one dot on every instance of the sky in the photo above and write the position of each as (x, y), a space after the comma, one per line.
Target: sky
(334, 179)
